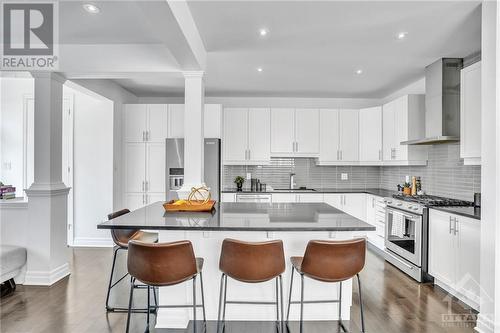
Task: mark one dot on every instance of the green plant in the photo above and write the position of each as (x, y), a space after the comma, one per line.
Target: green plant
(407, 185)
(239, 180)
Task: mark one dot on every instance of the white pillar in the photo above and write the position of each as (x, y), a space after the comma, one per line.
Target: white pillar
(194, 106)
(47, 196)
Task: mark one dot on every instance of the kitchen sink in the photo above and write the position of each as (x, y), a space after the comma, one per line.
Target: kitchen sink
(294, 190)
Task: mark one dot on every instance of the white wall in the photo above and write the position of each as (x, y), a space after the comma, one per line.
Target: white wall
(92, 166)
(119, 96)
(13, 90)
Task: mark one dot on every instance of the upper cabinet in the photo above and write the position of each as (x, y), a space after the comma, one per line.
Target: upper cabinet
(470, 114)
(145, 123)
(370, 136)
(338, 137)
(294, 132)
(175, 121)
(403, 119)
(247, 136)
(213, 121)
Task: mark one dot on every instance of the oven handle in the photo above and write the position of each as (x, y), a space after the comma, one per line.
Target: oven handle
(402, 212)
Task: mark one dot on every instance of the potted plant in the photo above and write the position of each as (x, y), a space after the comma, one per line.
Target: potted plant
(407, 188)
(239, 183)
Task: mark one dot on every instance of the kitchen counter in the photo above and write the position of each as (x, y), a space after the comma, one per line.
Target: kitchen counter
(295, 224)
(471, 212)
(374, 191)
(242, 217)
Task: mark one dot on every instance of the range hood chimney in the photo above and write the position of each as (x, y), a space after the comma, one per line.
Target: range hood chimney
(442, 103)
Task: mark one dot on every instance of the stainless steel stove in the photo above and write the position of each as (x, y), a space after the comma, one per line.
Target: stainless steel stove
(406, 231)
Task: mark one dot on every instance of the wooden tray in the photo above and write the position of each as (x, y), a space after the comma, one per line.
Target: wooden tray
(194, 206)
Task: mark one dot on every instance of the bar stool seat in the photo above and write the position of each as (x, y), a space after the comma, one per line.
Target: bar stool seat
(329, 261)
(251, 262)
(121, 237)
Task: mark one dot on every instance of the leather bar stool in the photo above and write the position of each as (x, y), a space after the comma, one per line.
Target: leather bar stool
(121, 237)
(329, 261)
(251, 262)
(161, 265)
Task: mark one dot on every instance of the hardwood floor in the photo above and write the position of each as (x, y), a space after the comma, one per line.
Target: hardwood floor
(393, 303)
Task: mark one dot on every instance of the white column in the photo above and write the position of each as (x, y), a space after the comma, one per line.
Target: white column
(47, 196)
(194, 105)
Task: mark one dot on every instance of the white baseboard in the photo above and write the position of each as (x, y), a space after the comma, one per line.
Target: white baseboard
(484, 325)
(92, 242)
(46, 278)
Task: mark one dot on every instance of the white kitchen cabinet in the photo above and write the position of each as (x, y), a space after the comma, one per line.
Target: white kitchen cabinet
(294, 132)
(135, 201)
(247, 136)
(403, 119)
(155, 197)
(228, 197)
(370, 136)
(454, 249)
(284, 197)
(370, 209)
(355, 204)
(334, 199)
(470, 114)
(155, 163)
(338, 137)
(213, 121)
(306, 132)
(157, 122)
(282, 132)
(135, 167)
(135, 122)
(175, 121)
(310, 197)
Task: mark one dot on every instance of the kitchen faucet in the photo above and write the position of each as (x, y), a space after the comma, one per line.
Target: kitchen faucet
(292, 183)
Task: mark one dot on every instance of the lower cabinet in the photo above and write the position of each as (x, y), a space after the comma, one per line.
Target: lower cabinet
(351, 203)
(454, 251)
(137, 200)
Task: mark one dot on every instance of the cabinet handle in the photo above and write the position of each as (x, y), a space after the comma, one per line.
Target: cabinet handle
(249, 153)
(380, 154)
(341, 155)
(338, 156)
(143, 186)
(147, 185)
(450, 228)
(143, 199)
(147, 135)
(455, 231)
(143, 136)
(296, 146)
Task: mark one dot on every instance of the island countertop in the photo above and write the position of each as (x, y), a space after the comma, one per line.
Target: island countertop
(242, 217)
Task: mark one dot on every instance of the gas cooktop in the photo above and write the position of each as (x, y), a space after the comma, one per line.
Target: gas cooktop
(431, 200)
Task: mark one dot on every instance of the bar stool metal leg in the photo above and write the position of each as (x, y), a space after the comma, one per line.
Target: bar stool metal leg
(282, 307)
(110, 286)
(225, 301)
(194, 304)
(203, 299)
(130, 303)
(301, 303)
(361, 305)
(149, 307)
(290, 296)
(277, 301)
(219, 312)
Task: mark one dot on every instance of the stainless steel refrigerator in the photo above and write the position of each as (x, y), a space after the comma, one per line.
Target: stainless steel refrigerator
(175, 167)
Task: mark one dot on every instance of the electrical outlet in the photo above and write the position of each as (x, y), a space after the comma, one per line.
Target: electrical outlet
(249, 176)
(344, 176)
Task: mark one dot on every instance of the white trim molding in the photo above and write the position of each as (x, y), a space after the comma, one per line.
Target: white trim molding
(46, 278)
(484, 324)
(92, 242)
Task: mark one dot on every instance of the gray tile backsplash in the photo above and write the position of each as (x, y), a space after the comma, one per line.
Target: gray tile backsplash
(445, 174)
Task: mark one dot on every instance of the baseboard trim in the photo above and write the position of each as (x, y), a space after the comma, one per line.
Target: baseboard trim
(92, 242)
(484, 324)
(46, 278)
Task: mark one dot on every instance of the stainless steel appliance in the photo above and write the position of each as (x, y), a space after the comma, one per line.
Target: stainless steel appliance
(406, 231)
(175, 167)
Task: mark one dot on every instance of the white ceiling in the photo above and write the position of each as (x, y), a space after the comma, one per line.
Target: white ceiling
(312, 50)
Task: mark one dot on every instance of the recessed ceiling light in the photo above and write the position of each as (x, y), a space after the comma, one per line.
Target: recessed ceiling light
(359, 71)
(402, 35)
(90, 8)
(259, 69)
(263, 32)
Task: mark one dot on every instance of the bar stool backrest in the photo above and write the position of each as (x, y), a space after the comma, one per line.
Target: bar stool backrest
(333, 261)
(161, 264)
(122, 236)
(252, 261)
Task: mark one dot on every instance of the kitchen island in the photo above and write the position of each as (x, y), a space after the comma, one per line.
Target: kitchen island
(294, 223)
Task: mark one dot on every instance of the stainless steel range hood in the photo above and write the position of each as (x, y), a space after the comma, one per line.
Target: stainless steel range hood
(442, 103)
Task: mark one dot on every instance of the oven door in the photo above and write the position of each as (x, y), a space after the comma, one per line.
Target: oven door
(403, 234)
